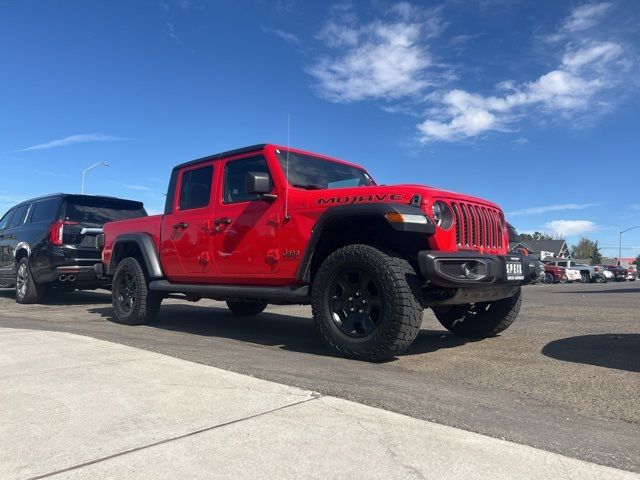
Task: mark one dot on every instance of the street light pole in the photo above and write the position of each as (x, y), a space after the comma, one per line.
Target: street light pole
(620, 244)
(87, 169)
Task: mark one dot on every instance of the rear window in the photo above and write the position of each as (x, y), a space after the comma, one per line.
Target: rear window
(95, 212)
(19, 216)
(45, 211)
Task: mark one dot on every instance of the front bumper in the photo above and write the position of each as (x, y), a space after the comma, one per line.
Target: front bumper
(475, 270)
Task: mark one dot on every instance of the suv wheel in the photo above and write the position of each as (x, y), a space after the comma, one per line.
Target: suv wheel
(27, 290)
(246, 309)
(481, 319)
(133, 302)
(585, 278)
(365, 302)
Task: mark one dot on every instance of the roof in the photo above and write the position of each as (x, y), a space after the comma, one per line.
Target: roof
(67, 195)
(217, 156)
(513, 245)
(555, 246)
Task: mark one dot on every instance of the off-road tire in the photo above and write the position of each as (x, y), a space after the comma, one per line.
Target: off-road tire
(400, 311)
(480, 320)
(246, 309)
(27, 289)
(130, 279)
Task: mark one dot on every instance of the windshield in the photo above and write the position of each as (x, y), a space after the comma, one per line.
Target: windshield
(306, 171)
(95, 212)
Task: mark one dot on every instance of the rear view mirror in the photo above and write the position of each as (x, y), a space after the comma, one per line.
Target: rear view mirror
(258, 183)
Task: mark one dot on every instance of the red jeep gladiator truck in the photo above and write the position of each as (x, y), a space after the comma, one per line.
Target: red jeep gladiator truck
(271, 224)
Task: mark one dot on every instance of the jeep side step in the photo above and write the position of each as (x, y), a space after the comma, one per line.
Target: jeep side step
(288, 294)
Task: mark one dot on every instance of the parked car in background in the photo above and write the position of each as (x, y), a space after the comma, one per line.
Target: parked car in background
(587, 273)
(51, 242)
(554, 274)
(603, 275)
(620, 274)
(632, 273)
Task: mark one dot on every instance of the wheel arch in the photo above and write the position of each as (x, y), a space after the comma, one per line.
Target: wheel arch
(140, 246)
(364, 224)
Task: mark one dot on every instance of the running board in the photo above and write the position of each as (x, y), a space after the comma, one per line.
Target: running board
(288, 294)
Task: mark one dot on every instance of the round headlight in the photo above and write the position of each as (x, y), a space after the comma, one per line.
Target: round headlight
(442, 215)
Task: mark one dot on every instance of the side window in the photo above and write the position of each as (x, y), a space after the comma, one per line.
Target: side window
(19, 216)
(235, 178)
(195, 188)
(45, 211)
(4, 221)
(562, 264)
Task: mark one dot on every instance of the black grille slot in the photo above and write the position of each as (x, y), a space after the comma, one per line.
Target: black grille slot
(478, 226)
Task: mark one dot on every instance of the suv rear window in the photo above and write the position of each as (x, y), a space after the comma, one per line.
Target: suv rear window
(19, 216)
(95, 212)
(45, 211)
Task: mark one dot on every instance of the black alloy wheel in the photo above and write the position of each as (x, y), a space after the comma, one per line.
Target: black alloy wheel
(355, 303)
(126, 292)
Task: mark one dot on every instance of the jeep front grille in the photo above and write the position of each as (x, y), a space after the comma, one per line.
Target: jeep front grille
(478, 226)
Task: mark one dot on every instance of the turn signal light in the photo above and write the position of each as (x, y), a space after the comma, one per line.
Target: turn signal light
(396, 217)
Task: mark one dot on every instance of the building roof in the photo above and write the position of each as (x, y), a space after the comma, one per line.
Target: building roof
(513, 245)
(555, 246)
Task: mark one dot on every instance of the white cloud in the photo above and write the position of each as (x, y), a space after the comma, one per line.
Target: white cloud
(286, 36)
(571, 87)
(568, 228)
(73, 139)
(585, 16)
(382, 60)
(140, 188)
(551, 208)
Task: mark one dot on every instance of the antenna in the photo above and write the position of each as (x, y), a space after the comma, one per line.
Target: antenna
(286, 168)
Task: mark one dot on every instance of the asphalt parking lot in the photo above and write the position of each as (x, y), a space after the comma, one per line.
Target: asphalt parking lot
(565, 377)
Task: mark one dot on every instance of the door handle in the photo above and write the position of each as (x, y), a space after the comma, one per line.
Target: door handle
(222, 221)
(180, 225)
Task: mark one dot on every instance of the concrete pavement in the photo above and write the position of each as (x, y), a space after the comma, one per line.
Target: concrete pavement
(77, 407)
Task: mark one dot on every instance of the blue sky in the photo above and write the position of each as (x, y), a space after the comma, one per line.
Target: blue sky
(534, 105)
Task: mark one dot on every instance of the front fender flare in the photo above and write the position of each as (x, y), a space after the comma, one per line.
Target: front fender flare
(374, 210)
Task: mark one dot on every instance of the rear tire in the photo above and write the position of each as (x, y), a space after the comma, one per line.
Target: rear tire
(479, 320)
(246, 309)
(27, 290)
(585, 278)
(133, 302)
(365, 302)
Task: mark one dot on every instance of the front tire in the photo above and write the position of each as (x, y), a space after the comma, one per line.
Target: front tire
(27, 290)
(585, 278)
(133, 302)
(548, 278)
(479, 320)
(365, 302)
(246, 309)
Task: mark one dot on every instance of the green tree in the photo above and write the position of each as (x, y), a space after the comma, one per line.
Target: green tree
(587, 249)
(638, 261)
(535, 236)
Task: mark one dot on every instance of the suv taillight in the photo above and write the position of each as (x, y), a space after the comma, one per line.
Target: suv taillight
(57, 231)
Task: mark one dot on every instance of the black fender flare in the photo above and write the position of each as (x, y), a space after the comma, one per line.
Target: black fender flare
(375, 210)
(147, 248)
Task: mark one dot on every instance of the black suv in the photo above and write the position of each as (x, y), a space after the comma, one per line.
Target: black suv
(51, 242)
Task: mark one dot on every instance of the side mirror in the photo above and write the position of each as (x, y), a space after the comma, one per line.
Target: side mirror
(258, 183)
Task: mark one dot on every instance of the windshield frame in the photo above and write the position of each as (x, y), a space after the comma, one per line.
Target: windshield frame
(280, 154)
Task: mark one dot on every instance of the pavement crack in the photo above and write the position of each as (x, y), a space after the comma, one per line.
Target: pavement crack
(381, 441)
(169, 440)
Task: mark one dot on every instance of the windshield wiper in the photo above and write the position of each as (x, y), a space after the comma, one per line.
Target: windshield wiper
(309, 186)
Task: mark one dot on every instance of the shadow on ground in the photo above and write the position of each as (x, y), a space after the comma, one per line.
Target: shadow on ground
(289, 332)
(609, 290)
(62, 298)
(619, 351)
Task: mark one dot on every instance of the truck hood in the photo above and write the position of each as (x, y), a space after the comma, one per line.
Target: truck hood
(384, 194)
